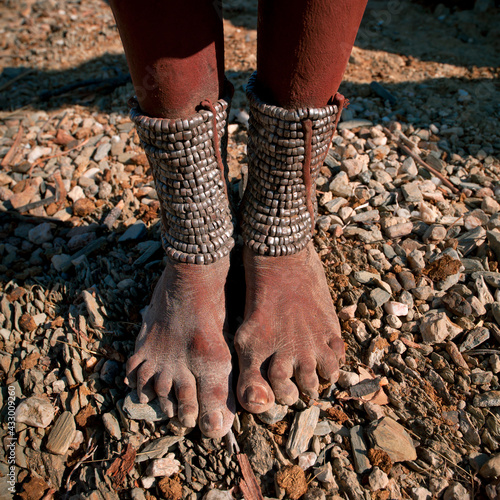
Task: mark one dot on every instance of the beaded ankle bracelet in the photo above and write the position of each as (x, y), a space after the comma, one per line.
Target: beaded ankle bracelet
(286, 148)
(187, 158)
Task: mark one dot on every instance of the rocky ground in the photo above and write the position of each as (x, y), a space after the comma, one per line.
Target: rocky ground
(409, 235)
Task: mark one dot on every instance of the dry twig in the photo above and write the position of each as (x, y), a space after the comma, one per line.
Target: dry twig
(248, 485)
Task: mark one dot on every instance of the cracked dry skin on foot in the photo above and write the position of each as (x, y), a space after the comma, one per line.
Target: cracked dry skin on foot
(181, 354)
(290, 330)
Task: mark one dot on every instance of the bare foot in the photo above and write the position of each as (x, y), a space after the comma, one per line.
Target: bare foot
(181, 355)
(290, 327)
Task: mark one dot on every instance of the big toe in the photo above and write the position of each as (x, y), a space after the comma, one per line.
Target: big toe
(254, 392)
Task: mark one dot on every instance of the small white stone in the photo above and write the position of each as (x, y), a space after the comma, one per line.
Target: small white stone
(420, 494)
(147, 482)
(91, 173)
(77, 440)
(307, 459)
(377, 479)
(396, 308)
(76, 194)
(38, 152)
(163, 467)
(348, 379)
(36, 411)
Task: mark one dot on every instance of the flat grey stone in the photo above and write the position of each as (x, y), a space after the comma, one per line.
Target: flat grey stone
(359, 450)
(389, 436)
(157, 448)
(136, 410)
(134, 232)
(302, 431)
(275, 414)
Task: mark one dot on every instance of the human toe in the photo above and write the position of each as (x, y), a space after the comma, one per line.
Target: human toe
(216, 404)
(254, 392)
(280, 372)
(306, 377)
(187, 404)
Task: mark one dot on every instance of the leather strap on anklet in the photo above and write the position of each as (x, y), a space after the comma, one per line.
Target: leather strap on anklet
(187, 160)
(286, 148)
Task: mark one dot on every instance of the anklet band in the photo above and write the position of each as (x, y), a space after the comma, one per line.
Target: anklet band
(187, 158)
(286, 148)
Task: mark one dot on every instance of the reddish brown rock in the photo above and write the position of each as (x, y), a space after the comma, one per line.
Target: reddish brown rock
(83, 207)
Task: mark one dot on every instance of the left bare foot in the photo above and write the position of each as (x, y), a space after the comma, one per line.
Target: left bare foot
(290, 328)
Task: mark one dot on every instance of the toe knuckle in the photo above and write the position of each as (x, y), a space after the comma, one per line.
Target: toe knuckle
(278, 372)
(307, 365)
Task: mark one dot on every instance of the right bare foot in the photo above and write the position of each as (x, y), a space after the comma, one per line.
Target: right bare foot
(181, 355)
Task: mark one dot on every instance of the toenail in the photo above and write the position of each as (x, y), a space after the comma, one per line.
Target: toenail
(189, 422)
(212, 421)
(255, 395)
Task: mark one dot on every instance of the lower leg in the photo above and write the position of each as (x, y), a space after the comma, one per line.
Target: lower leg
(174, 51)
(290, 328)
(303, 48)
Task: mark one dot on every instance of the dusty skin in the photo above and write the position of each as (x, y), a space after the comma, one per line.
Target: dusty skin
(290, 330)
(181, 354)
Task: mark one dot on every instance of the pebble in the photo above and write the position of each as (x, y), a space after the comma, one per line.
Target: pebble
(396, 308)
(76, 194)
(436, 327)
(102, 152)
(487, 399)
(412, 193)
(61, 262)
(399, 230)
(352, 166)
(36, 411)
(135, 410)
(456, 492)
(157, 448)
(456, 304)
(112, 426)
(379, 297)
(302, 431)
(392, 438)
(335, 205)
(491, 469)
(359, 450)
(163, 467)
(275, 414)
(378, 479)
(95, 317)
(41, 234)
(364, 277)
(419, 493)
(134, 232)
(218, 495)
(62, 434)
(347, 379)
(307, 460)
